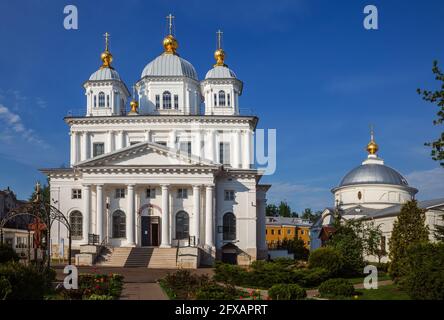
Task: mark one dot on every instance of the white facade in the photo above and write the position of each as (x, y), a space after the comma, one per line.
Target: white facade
(167, 175)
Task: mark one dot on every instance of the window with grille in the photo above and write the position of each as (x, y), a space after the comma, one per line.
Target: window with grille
(120, 193)
(119, 224)
(176, 102)
(98, 149)
(222, 98)
(229, 226)
(101, 99)
(224, 153)
(157, 101)
(228, 99)
(166, 100)
(76, 194)
(182, 225)
(229, 195)
(76, 223)
(182, 193)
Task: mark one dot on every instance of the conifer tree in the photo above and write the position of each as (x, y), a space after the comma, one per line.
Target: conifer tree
(408, 229)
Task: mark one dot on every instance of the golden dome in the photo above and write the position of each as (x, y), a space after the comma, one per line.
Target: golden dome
(170, 44)
(106, 58)
(372, 147)
(219, 55)
(134, 106)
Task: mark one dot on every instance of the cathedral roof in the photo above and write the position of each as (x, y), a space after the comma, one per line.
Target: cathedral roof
(220, 72)
(105, 74)
(169, 65)
(373, 174)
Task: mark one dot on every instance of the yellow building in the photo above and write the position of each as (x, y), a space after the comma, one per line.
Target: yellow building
(280, 228)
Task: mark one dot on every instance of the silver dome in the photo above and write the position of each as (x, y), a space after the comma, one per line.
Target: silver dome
(169, 65)
(373, 174)
(220, 72)
(105, 74)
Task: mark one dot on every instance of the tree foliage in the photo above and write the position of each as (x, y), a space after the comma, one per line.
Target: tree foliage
(44, 192)
(408, 229)
(436, 97)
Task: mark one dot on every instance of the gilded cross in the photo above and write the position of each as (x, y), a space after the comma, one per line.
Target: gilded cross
(170, 18)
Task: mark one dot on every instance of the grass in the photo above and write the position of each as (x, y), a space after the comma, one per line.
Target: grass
(390, 292)
(382, 276)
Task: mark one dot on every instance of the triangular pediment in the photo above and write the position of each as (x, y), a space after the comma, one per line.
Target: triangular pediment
(145, 154)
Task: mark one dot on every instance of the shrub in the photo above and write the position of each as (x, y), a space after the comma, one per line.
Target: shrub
(97, 285)
(183, 284)
(27, 282)
(425, 272)
(100, 297)
(336, 288)
(287, 292)
(231, 274)
(5, 288)
(7, 254)
(327, 258)
(311, 278)
(213, 291)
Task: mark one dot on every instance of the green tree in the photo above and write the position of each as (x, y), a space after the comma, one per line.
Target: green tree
(309, 215)
(284, 209)
(436, 97)
(408, 229)
(271, 210)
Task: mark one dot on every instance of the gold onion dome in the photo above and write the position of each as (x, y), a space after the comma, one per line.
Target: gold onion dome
(219, 55)
(170, 44)
(134, 106)
(106, 56)
(372, 147)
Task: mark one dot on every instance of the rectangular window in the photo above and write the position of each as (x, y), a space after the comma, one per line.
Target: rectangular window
(266, 231)
(76, 194)
(107, 100)
(229, 195)
(288, 231)
(151, 193)
(228, 99)
(279, 232)
(176, 102)
(215, 99)
(98, 149)
(272, 231)
(120, 193)
(182, 193)
(185, 147)
(157, 101)
(224, 153)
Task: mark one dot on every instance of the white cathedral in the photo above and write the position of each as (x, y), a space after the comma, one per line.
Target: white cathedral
(172, 179)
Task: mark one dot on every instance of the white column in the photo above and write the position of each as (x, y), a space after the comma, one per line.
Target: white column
(110, 143)
(209, 221)
(196, 216)
(85, 146)
(123, 137)
(237, 151)
(148, 135)
(246, 150)
(165, 242)
(86, 194)
(100, 212)
(172, 143)
(130, 216)
(73, 135)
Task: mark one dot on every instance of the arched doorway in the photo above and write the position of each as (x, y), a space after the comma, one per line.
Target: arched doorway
(229, 253)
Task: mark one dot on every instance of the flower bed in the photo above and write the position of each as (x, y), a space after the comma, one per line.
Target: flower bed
(95, 287)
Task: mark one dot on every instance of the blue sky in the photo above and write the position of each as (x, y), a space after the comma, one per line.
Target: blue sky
(309, 68)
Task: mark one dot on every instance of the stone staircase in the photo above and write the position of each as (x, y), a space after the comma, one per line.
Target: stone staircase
(155, 258)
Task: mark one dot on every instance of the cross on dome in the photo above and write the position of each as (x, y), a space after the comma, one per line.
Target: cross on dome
(219, 54)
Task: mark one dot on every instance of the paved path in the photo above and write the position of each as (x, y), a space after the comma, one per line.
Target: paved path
(143, 291)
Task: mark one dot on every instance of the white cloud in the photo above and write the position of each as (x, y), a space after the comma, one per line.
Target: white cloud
(430, 183)
(300, 196)
(13, 126)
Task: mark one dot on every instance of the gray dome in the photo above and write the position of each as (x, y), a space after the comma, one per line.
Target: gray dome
(220, 72)
(169, 65)
(373, 174)
(105, 74)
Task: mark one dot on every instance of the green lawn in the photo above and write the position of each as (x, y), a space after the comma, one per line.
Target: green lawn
(390, 292)
(381, 277)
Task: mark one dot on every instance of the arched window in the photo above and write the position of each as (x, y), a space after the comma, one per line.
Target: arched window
(182, 225)
(229, 226)
(222, 98)
(166, 96)
(76, 223)
(119, 224)
(101, 99)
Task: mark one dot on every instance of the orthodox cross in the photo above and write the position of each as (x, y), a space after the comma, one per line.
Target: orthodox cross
(170, 18)
(219, 39)
(106, 35)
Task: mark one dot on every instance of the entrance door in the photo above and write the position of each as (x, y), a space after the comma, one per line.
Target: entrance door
(145, 231)
(150, 231)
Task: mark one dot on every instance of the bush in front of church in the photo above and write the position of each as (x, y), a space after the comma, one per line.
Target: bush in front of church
(287, 292)
(336, 288)
(20, 282)
(7, 254)
(327, 258)
(425, 272)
